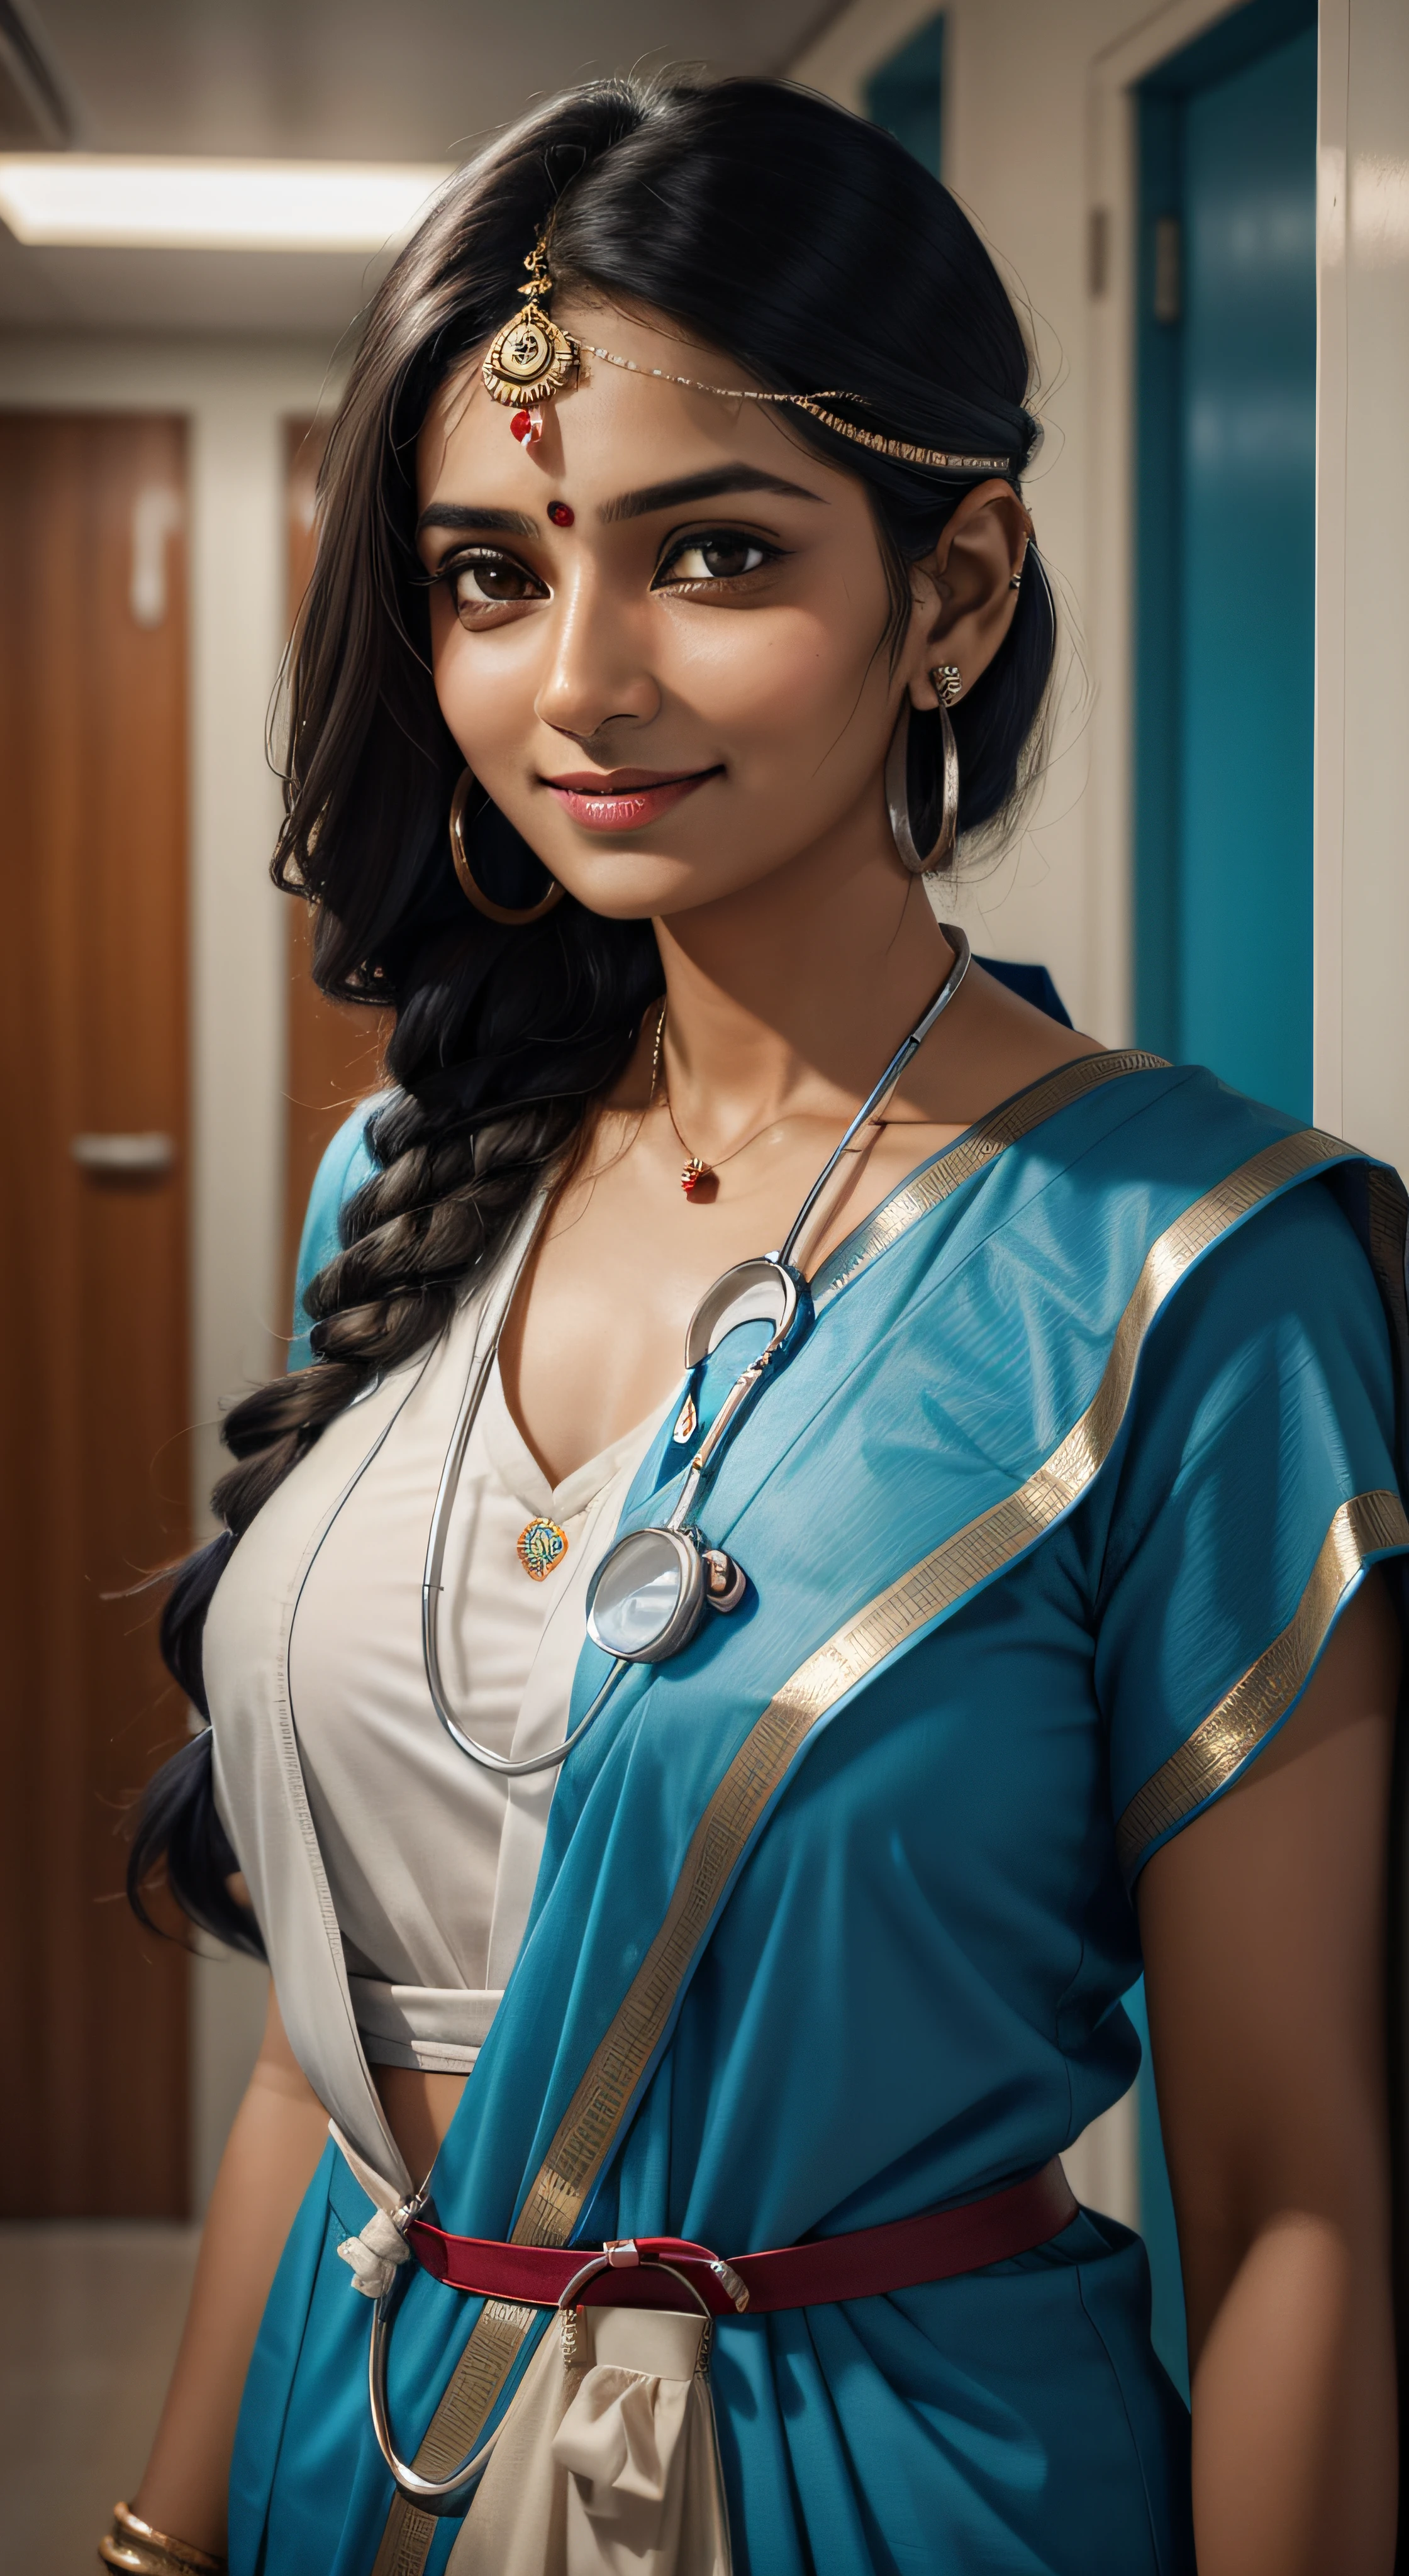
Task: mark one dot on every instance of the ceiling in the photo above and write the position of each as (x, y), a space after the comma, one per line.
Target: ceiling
(416, 80)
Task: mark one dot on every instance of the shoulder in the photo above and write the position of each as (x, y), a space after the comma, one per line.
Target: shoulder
(1285, 1311)
(347, 1162)
(1179, 1238)
(1180, 1123)
(1118, 1176)
(1282, 1205)
(1169, 1158)
(1262, 1223)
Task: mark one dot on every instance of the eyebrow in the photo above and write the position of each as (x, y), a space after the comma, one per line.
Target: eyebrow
(460, 514)
(699, 487)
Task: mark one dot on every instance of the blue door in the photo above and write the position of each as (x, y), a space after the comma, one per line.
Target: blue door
(905, 94)
(1227, 345)
(1225, 607)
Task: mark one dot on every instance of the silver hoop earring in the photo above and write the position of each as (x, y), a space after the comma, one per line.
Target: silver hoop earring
(948, 685)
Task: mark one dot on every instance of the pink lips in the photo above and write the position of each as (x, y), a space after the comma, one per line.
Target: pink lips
(621, 800)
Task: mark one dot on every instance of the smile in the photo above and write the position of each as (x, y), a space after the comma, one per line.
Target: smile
(624, 799)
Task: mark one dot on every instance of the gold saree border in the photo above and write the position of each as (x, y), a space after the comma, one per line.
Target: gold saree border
(479, 2375)
(1366, 1526)
(958, 1162)
(976, 1554)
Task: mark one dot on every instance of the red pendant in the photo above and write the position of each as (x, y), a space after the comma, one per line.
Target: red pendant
(695, 1171)
(527, 427)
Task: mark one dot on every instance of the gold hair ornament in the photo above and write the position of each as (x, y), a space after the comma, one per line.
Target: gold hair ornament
(530, 359)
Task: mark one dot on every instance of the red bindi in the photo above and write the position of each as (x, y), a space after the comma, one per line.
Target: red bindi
(560, 514)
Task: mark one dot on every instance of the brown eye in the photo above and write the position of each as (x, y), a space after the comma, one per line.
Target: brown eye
(722, 557)
(478, 582)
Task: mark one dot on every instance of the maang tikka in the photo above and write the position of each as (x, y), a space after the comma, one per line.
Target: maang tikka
(530, 359)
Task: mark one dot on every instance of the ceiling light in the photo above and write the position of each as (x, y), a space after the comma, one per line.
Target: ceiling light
(111, 201)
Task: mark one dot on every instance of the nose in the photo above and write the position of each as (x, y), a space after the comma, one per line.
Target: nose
(598, 674)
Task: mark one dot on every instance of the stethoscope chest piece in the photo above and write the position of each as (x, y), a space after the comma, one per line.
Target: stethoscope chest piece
(652, 1589)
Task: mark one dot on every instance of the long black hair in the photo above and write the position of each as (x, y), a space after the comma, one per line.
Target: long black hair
(813, 252)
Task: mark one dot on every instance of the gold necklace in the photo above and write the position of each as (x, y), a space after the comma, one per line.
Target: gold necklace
(696, 1168)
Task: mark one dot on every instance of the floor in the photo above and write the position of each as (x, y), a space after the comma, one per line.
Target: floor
(90, 2317)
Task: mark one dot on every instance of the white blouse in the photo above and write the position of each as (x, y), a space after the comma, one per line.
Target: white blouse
(431, 1860)
(391, 1876)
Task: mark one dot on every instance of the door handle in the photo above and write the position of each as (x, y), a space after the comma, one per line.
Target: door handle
(156, 515)
(121, 1156)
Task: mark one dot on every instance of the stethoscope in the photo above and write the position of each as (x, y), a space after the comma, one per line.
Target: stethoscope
(653, 1586)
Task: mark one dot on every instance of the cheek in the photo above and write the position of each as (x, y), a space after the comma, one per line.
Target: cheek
(485, 694)
(775, 677)
(445, 657)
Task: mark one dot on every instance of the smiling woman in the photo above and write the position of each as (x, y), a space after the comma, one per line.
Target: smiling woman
(762, 1781)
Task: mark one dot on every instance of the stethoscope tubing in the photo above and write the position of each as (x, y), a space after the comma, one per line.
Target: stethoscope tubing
(707, 1456)
(442, 2496)
(879, 1098)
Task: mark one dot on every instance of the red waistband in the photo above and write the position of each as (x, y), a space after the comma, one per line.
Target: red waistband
(632, 2272)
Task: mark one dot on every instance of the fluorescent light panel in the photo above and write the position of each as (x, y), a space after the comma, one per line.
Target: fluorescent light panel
(112, 202)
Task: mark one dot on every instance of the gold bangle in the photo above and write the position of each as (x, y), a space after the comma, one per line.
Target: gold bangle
(136, 2547)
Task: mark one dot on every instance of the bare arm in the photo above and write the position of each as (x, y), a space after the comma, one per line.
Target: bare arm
(1264, 1928)
(280, 2132)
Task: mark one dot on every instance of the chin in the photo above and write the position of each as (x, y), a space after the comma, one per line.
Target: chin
(639, 885)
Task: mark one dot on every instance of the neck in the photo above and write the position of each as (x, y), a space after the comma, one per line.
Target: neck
(792, 994)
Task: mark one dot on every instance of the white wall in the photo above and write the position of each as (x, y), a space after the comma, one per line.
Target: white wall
(1362, 738)
(235, 396)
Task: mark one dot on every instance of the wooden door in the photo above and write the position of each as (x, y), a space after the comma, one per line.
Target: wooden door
(335, 1048)
(94, 1399)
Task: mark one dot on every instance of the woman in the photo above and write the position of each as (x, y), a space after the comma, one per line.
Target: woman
(1017, 1622)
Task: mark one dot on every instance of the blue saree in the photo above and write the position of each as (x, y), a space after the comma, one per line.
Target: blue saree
(1047, 1522)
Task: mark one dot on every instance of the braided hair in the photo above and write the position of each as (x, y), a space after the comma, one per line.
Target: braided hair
(809, 247)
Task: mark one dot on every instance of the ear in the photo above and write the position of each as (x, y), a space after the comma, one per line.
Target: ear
(966, 592)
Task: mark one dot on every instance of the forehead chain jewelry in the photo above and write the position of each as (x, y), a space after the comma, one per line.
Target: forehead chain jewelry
(530, 360)
(901, 448)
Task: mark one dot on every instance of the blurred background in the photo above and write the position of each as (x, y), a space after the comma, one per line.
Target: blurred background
(1204, 215)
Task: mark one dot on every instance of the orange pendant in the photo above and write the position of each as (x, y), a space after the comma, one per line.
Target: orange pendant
(540, 1547)
(695, 1171)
